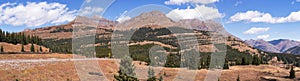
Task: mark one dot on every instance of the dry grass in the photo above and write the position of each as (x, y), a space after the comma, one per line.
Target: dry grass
(65, 70)
(34, 56)
(8, 47)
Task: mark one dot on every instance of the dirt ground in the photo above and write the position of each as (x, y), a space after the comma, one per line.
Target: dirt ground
(64, 70)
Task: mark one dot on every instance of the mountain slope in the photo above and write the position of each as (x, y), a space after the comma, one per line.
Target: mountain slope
(263, 45)
(284, 44)
(65, 31)
(154, 28)
(275, 46)
(293, 50)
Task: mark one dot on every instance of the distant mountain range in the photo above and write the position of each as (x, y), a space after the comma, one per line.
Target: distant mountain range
(276, 46)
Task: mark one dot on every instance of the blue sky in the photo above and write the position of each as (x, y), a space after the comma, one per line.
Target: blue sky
(246, 19)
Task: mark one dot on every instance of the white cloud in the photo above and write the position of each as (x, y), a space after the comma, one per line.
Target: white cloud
(88, 1)
(255, 30)
(296, 1)
(179, 2)
(123, 18)
(86, 11)
(256, 16)
(263, 36)
(201, 12)
(35, 14)
(69, 16)
(238, 3)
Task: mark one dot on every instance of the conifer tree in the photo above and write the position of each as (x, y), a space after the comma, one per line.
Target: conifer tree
(244, 62)
(226, 65)
(201, 63)
(207, 62)
(292, 73)
(238, 62)
(126, 70)
(41, 49)
(256, 60)
(160, 78)
(1, 49)
(151, 75)
(22, 48)
(238, 78)
(32, 48)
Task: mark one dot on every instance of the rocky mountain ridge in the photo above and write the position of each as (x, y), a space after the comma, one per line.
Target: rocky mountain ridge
(276, 46)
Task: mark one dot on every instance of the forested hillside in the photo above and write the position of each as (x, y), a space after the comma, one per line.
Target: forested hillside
(19, 38)
(24, 40)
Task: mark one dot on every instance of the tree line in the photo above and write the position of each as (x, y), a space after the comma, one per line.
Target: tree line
(21, 38)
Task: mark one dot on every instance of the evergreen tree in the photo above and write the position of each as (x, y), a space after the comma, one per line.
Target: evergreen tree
(160, 78)
(1, 49)
(298, 63)
(151, 74)
(285, 61)
(190, 59)
(263, 60)
(201, 63)
(22, 48)
(238, 78)
(226, 65)
(109, 55)
(126, 72)
(256, 60)
(238, 62)
(244, 62)
(32, 48)
(41, 49)
(292, 73)
(207, 62)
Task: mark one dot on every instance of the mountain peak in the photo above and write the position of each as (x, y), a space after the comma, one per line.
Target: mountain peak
(262, 45)
(153, 19)
(153, 13)
(277, 46)
(284, 44)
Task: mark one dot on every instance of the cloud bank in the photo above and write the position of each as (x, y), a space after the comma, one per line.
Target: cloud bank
(200, 12)
(263, 36)
(255, 30)
(256, 16)
(35, 14)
